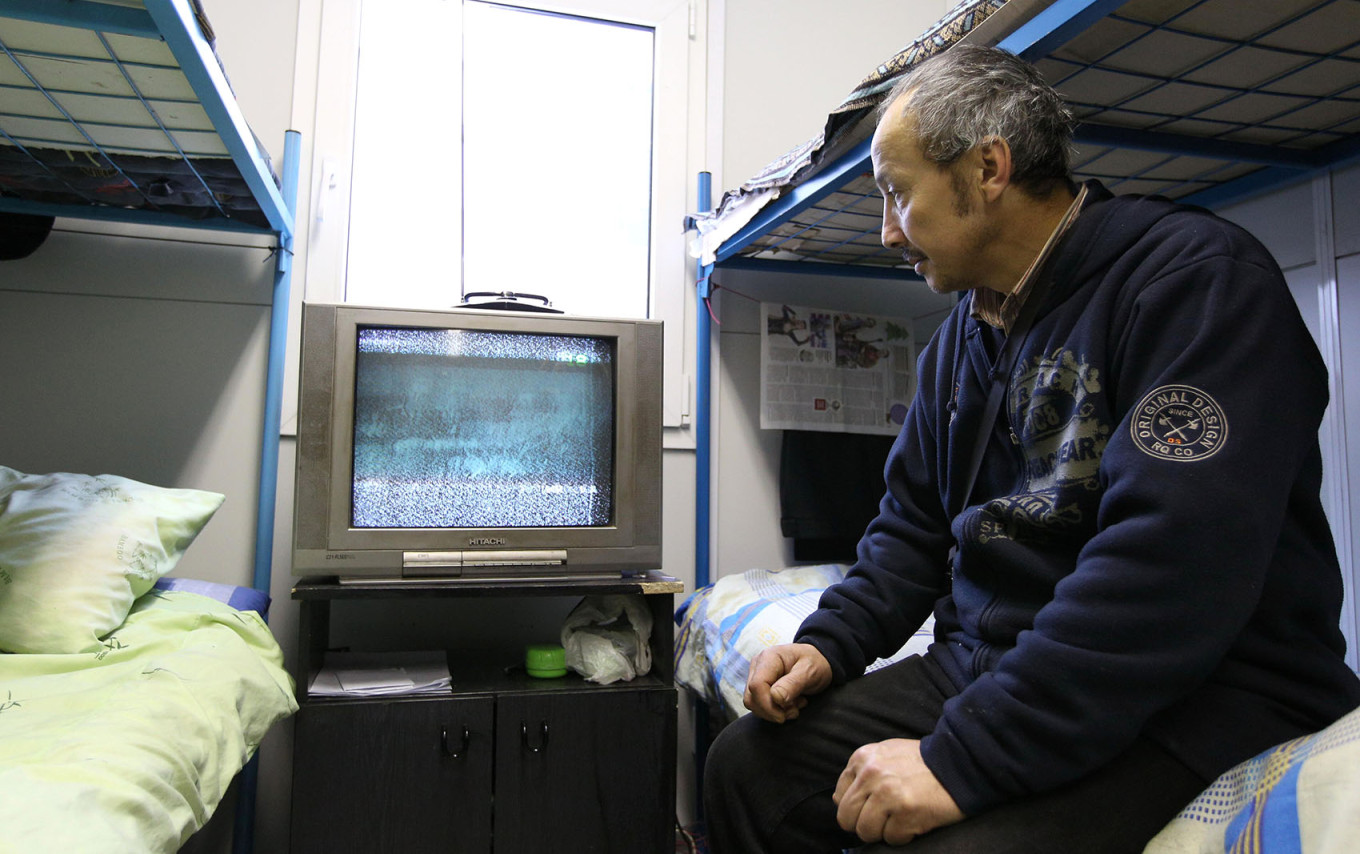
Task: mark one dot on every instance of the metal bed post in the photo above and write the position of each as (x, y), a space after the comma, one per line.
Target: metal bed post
(278, 342)
(243, 833)
(703, 418)
(703, 463)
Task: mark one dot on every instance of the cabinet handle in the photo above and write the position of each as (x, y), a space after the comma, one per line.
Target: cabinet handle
(524, 737)
(448, 750)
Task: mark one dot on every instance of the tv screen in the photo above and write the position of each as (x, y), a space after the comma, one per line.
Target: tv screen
(460, 428)
(469, 443)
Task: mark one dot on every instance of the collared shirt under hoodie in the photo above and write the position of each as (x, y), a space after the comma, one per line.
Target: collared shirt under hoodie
(1145, 550)
(1000, 311)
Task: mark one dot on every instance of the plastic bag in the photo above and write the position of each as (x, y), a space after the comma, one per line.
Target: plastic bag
(607, 638)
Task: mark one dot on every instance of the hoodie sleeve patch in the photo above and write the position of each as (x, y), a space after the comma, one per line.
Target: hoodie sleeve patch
(1179, 423)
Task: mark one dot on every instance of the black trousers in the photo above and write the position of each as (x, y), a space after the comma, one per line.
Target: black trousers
(767, 787)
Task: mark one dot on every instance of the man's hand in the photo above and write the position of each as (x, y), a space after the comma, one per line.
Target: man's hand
(782, 677)
(886, 793)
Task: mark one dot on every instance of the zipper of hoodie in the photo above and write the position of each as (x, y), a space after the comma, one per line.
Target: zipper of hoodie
(976, 665)
(1007, 357)
(980, 653)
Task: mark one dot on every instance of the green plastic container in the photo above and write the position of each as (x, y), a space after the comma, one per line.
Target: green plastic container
(545, 660)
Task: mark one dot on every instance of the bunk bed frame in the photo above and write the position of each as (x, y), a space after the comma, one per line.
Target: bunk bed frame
(127, 89)
(1204, 101)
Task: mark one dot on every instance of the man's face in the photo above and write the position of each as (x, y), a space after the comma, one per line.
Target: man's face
(930, 213)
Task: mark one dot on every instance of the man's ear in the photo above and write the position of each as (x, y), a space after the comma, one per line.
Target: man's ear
(995, 155)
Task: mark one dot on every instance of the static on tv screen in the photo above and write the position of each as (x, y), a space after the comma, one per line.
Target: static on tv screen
(469, 429)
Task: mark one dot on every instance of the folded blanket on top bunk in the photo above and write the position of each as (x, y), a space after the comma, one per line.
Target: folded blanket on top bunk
(849, 123)
(845, 119)
(96, 118)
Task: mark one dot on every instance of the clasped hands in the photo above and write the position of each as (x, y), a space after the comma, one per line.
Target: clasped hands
(886, 792)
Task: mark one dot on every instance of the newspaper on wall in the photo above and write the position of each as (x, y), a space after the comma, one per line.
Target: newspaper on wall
(833, 371)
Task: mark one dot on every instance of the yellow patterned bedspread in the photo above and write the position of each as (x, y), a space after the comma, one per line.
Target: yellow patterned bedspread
(131, 748)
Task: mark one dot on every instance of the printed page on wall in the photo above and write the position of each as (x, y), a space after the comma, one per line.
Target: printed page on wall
(840, 372)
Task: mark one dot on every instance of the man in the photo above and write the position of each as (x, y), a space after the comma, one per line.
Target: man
(1139, 591)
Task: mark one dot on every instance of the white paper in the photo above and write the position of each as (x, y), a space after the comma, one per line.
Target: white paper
(842, 372)
(384, 680)
(381, 674)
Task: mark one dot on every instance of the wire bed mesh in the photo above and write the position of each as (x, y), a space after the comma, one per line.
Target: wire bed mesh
(95, 118)
(1180, 99)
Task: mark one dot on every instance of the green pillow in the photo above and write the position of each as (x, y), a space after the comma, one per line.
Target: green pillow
(76, 550)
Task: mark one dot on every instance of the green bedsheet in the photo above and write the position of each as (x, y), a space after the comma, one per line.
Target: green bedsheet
(131, 748)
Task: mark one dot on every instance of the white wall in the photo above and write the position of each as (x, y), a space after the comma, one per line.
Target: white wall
(746, 488)
(786, 64)
(104, 375)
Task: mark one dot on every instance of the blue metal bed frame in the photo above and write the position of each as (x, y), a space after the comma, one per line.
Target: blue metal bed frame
(174, 22)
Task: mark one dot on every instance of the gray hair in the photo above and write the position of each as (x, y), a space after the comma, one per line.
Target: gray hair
(971, 93)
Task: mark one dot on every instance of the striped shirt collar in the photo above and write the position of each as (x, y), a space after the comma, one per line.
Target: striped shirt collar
(1000, 310)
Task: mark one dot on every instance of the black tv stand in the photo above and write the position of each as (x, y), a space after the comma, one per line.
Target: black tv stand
(504, 763)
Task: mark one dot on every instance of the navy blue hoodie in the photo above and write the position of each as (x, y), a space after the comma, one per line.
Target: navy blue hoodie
(1145, 551)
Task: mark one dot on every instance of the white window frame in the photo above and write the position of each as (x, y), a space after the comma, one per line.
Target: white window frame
(679, 144)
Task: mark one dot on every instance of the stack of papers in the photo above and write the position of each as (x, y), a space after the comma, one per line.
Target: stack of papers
(373, 674)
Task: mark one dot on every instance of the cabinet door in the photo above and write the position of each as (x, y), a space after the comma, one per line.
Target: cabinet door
(586, 771)
(403, 775)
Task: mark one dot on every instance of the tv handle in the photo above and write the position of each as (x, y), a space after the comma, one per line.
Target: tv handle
(508, 301)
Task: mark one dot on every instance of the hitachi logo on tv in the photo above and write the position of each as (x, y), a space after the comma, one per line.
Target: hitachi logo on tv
(486, 541)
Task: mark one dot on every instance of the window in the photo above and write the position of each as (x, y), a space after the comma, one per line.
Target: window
(538, 93)
(467, 146)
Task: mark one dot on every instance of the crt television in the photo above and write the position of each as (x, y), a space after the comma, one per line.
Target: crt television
(473, 444)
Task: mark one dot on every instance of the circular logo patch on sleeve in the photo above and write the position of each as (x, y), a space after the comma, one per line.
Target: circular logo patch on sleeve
(1179, 422)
